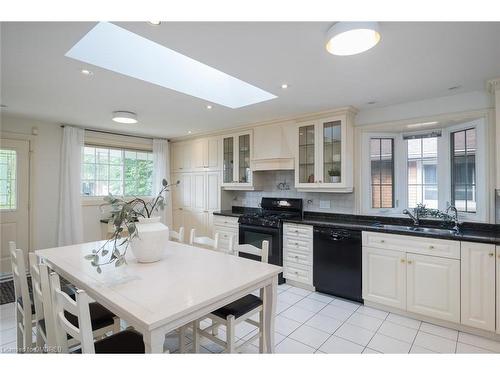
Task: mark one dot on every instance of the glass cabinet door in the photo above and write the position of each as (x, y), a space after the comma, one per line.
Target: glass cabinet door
(306, 154)
(244, 158)
(228, 160)
(332, 150)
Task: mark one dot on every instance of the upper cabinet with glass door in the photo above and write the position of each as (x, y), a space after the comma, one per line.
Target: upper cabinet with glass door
(324, 153)
(236, 156)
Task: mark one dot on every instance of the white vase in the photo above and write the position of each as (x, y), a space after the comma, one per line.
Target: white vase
(334, 179)
(151, 240)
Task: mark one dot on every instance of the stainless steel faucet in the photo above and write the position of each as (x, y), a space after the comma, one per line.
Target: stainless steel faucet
(456, 222)
(414, 218)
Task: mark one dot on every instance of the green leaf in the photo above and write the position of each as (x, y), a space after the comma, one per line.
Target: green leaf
(164, 182)
(104, 252)
(120, 262)
(98, 269)
(89, 257)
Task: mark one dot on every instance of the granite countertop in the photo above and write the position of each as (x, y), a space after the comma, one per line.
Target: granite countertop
(473, 232)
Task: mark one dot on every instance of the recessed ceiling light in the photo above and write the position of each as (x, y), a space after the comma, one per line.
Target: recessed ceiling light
(125, 117)
(86, 72)
(155, 23)
(284, 86)
(454, 87)
(116, 49)
(351, 38)
(209, 106)
(189, 131)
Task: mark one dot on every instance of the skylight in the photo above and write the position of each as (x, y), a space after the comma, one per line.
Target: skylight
(114, 48)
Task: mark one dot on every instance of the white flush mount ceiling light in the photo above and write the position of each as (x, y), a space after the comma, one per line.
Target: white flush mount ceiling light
(209, 106)
(116, 49)
(284, 86)
(155, 23)
(124, 117)
(351, 38)
(86, 72)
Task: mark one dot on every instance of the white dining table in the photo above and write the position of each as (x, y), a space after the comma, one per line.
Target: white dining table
(157, 298)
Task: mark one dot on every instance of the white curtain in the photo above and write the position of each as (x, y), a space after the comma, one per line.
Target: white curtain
(161, 170)
(70, 227)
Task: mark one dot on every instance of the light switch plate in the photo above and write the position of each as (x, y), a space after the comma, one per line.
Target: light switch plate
(324, 204)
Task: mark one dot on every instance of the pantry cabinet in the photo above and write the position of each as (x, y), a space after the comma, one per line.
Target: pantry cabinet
(478, 285)
(384, 277)
(433, 286)
(236, 156)
(324, 153)
(181, 156)
(199, 155)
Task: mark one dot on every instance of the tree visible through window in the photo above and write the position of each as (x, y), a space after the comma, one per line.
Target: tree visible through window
(463, 170)
(116, 171)
(382, 172)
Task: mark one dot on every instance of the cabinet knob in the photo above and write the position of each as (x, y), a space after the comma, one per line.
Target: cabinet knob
(402, 261)
(296, 272)
(382, 241)
(320, 181)
(491, 254)
(431, 247)
(296, 257)
(410, 262)
(296, 244)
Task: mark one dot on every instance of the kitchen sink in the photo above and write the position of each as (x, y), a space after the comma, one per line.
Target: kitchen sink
(437, 231)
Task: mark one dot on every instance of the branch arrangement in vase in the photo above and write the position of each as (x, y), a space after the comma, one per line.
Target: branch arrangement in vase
(124, 218)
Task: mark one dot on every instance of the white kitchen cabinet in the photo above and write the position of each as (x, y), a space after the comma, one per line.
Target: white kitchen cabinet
(236, 157)
(272, 147)
(181, 194)
(324, 153)
(384, 277)
(226, 226)
(298, 253)
(433, 286)
(206, 154)
(498, 288)
(181, 156)
(478, 285)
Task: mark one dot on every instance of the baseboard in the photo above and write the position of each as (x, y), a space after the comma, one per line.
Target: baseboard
(300, 285)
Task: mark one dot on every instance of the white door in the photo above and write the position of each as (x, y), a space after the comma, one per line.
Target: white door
(184, 189)
(14, 198)
(212, 199)
(199, 154)
(433, 286)
(213, 153)
(198, 194)
(478, 285)
(384, 277)
(498, 289)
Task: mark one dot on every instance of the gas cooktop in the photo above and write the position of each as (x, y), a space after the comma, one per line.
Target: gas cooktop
(273, 211)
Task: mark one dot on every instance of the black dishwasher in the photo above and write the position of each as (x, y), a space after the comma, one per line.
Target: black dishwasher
(337, 262)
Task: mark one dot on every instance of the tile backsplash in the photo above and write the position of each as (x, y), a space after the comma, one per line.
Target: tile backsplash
(273, 187)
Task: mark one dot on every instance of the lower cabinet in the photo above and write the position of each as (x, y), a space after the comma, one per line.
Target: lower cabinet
(384, 277)
(227, 227)
(478, 285)
(433, 286)
(298, 253)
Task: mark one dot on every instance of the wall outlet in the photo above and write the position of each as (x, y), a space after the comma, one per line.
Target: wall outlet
(324, 204)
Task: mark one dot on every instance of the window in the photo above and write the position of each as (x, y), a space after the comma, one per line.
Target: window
(8, 168)
(116, 171)
(382, 172)
(422, 172)
(463, 170)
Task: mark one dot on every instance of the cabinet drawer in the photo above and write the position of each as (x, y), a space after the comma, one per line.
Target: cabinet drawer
(290, 243)
(413, 244)
(226, 221)
(297, 257)
(295, 273)
(298, 231)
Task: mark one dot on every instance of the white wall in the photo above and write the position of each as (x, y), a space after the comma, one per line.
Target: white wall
(45, 181)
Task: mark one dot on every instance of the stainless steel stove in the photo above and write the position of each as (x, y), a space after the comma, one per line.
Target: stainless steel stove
(267, 224)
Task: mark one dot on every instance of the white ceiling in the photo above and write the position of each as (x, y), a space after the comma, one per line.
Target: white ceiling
(413, 61)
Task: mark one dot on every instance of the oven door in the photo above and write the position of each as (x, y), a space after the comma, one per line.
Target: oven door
(254, 235)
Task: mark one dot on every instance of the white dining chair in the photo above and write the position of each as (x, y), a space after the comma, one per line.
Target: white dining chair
(204, 241)
(236, 312)
(25, 310)
(177, 236)
(126, 342)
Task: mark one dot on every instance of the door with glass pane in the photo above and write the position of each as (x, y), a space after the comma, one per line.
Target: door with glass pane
(228, 160)
(331, 161)
(14, 198)
(244, 158)
(236, 160)
(305, 169)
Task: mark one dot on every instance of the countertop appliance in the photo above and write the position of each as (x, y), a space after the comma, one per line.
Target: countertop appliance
(266, 224)
(337, 262)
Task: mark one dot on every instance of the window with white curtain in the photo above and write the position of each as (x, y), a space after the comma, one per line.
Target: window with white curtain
(117, 171)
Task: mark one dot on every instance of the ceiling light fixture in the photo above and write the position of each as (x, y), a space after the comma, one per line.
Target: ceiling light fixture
(420, 124)
(154, 23)
(351, 38)
(125, 117)
(284, 86)
(86, 72)
(209, 106)
(189, 131)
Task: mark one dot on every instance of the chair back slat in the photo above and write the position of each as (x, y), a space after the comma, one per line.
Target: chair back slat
(61, 303)
(263, 253)
(177, 236)
(204, 241)
(47, 305)
(37, 286)
(21, 289)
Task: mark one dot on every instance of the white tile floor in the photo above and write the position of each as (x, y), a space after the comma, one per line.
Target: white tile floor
(317, 323)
